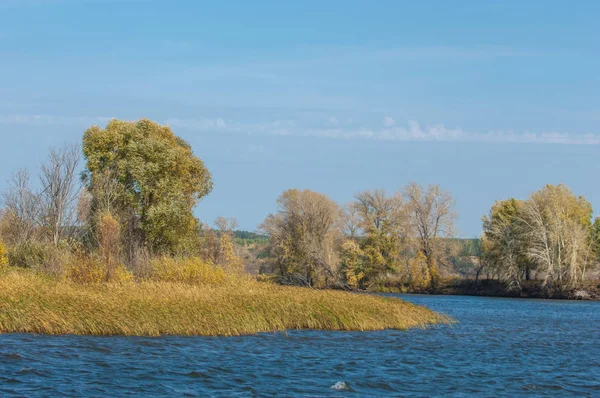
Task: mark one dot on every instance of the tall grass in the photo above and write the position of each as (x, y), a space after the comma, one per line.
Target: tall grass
(33, 303)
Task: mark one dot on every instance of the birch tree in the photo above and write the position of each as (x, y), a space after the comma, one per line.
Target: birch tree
(557, 231)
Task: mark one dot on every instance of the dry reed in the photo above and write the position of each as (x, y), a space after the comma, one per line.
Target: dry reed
(32, 303)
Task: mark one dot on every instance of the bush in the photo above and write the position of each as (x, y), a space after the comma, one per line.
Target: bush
(41, 257)
(90, 269)
(189, 270)
(27, 255)
(3, 257)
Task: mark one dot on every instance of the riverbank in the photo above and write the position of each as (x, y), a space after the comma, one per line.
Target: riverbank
(493, 288)
(32, 303)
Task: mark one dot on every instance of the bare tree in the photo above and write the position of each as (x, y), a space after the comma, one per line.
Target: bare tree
(22, 209)
(432, 216)
(350, 220)
(378, 212)
(58, 178)
(226, 225)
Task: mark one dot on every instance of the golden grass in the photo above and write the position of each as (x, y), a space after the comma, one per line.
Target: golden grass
(32, 303)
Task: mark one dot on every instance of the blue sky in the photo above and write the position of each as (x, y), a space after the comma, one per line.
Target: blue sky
(488, 99)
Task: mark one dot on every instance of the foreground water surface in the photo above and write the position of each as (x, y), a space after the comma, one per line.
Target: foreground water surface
(502, 347)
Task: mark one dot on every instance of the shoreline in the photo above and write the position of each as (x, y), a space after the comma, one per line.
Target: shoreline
(492, 288)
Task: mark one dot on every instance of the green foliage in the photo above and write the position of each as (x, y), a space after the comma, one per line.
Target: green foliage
(30, 254)
(149, 177)
(246, 238)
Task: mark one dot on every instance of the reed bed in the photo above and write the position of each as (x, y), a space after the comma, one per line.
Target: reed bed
(33, 303)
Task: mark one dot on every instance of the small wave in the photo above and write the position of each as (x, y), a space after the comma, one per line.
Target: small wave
(341, 386)
(13, 355)
(28, 371)
(198, 375)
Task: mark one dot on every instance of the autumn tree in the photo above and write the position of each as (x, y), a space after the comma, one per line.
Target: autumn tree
(382, 223)
(350, 220)
(557, 231)
(503, 242)
(431, 213)
(149, 177)
(109, 234)
(596, 239)
(353, 264)
(303, 236)
(226, 225)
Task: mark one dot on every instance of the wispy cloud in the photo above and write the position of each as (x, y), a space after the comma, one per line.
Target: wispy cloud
(333, 129)
(392, 132)
(51, 120)
(197, 124)
(440, 133)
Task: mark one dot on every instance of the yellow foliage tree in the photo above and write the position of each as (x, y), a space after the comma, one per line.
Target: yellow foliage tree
(109, 232)
(352, 264)
(420, 272)
(230, 260)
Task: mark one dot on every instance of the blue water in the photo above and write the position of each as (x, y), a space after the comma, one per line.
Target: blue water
(502, 347)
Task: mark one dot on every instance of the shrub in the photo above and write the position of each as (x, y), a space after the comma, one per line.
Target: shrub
(420, 276)
(90, 269)
(28, 254)
(190, 270)
(3, 257)
(229, 259)
(109, 232)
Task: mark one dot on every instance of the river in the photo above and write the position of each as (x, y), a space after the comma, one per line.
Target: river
(501, 347)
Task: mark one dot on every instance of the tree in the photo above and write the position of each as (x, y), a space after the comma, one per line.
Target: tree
(58, 178)
(596, 239)
(504, 246)
(226, 225)
(557, 225)
(350, 220)
(432, 215)
(382, 221)
(109, 232)
(149, 177)
(352, 264)
(303, 235)
(21, 216)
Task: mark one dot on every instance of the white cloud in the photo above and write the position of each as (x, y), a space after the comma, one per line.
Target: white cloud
(197, 124)
(52, 120)
(389, 122)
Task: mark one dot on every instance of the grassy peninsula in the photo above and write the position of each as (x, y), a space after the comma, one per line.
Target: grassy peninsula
(237, 305)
